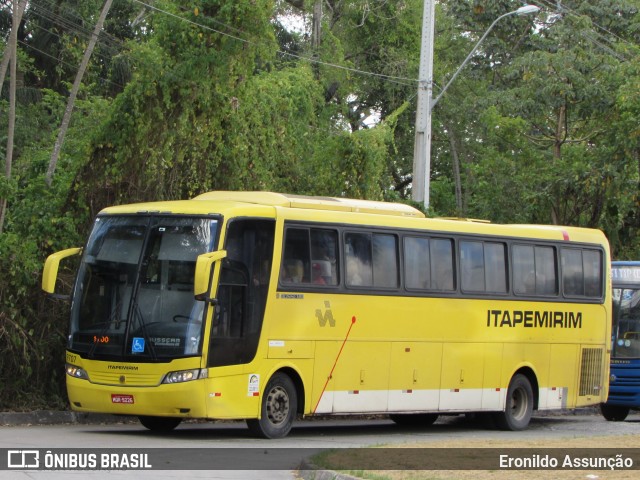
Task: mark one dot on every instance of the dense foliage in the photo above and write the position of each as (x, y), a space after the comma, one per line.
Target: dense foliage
(542, 126)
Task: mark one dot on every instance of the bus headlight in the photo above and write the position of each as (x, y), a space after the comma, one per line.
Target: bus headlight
(185, 375)
(76, 372)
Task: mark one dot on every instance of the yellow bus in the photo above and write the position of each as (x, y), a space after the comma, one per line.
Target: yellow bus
(264, 306)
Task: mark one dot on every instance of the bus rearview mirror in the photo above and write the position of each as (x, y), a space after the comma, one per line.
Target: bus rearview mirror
(50, 273)
(201, 281)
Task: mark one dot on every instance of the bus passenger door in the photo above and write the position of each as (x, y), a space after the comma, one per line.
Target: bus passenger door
(242, 292)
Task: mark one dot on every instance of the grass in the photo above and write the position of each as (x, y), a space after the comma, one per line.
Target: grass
(336, 460)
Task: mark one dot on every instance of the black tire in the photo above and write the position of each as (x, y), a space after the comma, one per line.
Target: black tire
(614, 413)
(278, 408)
(519, 407)
(159, 424)
(414, 419)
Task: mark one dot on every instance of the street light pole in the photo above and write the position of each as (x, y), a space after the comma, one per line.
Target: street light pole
(422, 145)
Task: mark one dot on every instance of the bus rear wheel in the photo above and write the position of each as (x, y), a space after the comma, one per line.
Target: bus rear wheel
(519, 406)
(278, 408)
(159, 424)
(614, 413)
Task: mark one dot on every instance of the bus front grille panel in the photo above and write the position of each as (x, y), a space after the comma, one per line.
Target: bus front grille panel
(591, 371)
(127, 379)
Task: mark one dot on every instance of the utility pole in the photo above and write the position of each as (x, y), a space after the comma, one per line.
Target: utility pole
(316, 32)
(422, 144)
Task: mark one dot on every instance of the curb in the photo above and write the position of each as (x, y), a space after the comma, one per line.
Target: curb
(52, 417)
(309, 471)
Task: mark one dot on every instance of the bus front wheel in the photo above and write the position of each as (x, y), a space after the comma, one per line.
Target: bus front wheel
(614, 413)
(278, 408)
(159, 424)
(519, 406)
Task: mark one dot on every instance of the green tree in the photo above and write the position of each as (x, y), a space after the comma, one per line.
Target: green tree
(554, 86)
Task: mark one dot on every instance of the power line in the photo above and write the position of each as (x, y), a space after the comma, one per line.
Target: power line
(43, 12)
(65, 22)
(573, 12)
(394, 79)
(63, 62)
(106, 58)
(560, 8)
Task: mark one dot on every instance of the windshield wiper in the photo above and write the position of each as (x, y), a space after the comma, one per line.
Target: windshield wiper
(143, 329)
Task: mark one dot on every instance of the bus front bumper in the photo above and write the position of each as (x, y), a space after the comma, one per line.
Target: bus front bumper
(166, 400)
(624, 396)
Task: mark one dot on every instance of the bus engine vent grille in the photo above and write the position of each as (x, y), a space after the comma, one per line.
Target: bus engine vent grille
(591, 371)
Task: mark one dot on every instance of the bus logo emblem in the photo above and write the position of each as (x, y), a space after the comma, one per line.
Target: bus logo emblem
(326, 317)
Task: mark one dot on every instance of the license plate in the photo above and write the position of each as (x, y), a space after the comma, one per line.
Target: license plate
(124, 399)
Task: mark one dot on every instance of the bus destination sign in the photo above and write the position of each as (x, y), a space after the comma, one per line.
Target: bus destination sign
(625, 274)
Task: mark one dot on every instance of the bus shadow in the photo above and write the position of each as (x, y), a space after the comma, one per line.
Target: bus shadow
(323, 428)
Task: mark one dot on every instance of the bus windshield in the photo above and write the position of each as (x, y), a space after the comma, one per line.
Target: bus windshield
(133, 297)
(626, 323)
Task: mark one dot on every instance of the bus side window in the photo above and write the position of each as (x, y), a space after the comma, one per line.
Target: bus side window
(295, 263)
(442, 264)
(524, 274)
(534, 270)
(358, 259)
(324, 256)
(310, 256)
(483, 266)
(371, 260)
(546, 268)
(352, 267)
(572, 275)
(385, 261)
(582, 272)
(472, 266)
(417, 264)
(495, 267)
(592, 267)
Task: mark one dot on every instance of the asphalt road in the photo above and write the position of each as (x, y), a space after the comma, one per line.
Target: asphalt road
(280, 456)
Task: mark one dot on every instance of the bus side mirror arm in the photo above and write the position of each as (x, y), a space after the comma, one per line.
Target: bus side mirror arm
(50, 273)
(201, 282)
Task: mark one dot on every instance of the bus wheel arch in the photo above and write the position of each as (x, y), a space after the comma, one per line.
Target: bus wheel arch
(299, 385)
(521, 400)
(280, 403)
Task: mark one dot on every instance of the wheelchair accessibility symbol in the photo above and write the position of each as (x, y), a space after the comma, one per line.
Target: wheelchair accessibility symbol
(138, 345)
